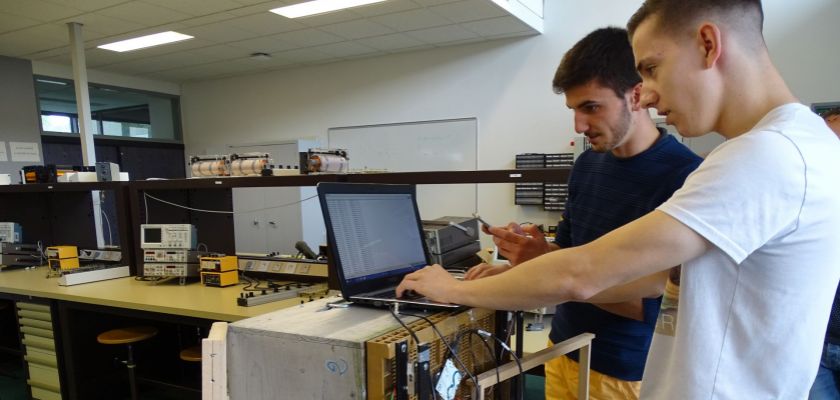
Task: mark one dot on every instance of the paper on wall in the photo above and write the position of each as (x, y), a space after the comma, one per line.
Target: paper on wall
(25, 151)
(3, 155)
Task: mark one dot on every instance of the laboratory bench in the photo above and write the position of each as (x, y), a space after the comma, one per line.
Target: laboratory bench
(59, 326)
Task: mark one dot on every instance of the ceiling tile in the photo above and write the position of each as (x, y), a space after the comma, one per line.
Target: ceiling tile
(177, 75)
(443, 34)
(303, 55)
(10, 22)
(258, 8)
(357, 29)
(144, 13)
(59, 59)
(388, 7)
(196, 7)
(160, 63)
(468, 10)
(328, 18)
(427, 3)
(34, 39)
(39, 10)
(220, 32)
(345, 49)
(266, 44)
(104, 25)
(257, 2)
(498, 26)
(208, 19)
(50, 53)
(223, 51)
(309, 37)
(411, 20)
(410, 49)
(88, 5)
(97, 57)
(205, 70)
(390, 42)
(266, 23)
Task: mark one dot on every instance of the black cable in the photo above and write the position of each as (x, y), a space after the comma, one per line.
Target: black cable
(148, 278)
(505, 346)
(448, 346)
(486, 346)
(413, 335)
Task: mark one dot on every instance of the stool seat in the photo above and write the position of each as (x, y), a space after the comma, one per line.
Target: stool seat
(127, 335)
(191, 353)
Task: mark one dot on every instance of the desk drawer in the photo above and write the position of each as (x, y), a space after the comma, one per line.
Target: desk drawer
(39, 343)
(37, 315)
(42, 376)
(35, 323)
(41, 353)
(44, 333)
(33, 307)
(44, 394)
(43, 359)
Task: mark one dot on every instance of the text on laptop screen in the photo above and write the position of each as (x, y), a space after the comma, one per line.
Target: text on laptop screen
(376, 234)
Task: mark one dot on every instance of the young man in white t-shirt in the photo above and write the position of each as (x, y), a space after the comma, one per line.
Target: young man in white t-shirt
(754, 226)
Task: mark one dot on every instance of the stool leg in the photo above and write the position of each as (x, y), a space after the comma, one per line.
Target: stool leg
(132, 382)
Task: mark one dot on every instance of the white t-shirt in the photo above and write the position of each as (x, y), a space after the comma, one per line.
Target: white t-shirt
(751, 313)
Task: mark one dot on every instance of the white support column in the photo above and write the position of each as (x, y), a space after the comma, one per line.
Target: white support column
(77, 55)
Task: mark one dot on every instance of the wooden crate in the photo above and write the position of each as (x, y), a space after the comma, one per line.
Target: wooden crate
(381, 351)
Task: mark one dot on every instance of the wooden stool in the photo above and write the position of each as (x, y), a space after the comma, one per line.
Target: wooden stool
(192, 354)
(128, 336)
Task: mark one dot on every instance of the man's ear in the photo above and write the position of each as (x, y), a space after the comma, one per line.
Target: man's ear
(635, 99)
(709, 43)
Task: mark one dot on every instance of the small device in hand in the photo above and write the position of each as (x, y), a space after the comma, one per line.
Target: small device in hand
(483, 222)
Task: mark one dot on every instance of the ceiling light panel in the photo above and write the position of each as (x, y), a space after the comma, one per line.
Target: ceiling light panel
(320, 7)
(142, 42)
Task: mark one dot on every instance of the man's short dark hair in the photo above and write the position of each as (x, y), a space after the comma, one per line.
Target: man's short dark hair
(830, 112)
(674, 15)
(604, 56)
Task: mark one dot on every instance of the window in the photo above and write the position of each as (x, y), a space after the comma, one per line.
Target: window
(56, 123)
(115, 112)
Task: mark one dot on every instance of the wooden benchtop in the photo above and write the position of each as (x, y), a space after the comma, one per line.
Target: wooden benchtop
(192, 299)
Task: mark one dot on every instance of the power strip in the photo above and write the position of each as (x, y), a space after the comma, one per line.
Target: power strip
(249, 299)
(306, 293)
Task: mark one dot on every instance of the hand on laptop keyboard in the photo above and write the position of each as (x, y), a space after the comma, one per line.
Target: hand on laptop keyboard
(409, 295)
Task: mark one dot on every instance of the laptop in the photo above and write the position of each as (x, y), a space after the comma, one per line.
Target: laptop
(375, 238)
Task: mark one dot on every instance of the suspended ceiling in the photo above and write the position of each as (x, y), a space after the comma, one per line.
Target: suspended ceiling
(227, 32)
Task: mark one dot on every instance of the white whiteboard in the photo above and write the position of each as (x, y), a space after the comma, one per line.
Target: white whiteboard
(442, 145)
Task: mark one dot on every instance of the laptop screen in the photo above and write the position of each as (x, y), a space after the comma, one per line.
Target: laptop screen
(377, 235)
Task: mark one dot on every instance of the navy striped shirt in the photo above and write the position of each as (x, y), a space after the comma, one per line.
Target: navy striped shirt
(606, 192)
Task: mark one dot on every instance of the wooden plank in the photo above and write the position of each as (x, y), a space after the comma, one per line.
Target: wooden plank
(511, 369)
(214, 363)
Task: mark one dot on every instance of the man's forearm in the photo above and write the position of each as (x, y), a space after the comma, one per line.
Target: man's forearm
(637, 255)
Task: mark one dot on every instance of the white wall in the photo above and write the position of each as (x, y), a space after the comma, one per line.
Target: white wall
(505, 84)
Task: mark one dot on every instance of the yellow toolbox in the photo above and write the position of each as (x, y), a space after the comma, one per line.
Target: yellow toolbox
(63, 263)
(219, 263)
(220, 279)
(62, 252)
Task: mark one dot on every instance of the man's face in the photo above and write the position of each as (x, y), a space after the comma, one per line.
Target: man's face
(600, 115)
(674, 79)
(834, 123)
